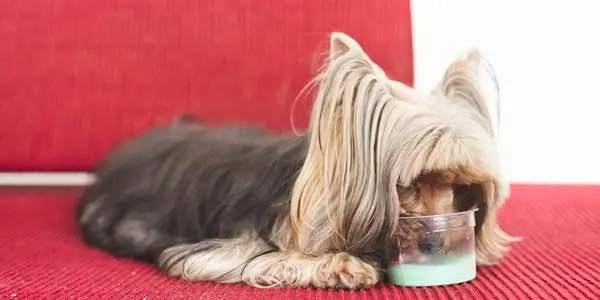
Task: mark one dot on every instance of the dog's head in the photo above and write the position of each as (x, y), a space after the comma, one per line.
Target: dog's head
(379, 150)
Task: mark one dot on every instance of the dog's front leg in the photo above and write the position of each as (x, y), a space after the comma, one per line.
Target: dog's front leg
(342, 270)
(252, 261)
(331, 270)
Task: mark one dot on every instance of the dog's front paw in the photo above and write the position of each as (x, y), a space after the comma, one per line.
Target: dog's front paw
(342, 270)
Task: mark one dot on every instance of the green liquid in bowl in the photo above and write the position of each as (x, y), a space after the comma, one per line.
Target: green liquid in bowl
(440, 271)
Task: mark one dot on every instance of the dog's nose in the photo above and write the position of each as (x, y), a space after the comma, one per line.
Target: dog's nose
(431, 243)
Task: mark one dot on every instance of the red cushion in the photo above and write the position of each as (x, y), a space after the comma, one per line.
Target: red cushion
(42, 256)
(78, 77)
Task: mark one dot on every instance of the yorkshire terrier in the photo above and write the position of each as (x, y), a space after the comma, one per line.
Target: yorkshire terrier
(240, 204)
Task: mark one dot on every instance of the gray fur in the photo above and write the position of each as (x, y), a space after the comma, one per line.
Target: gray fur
(189, 183)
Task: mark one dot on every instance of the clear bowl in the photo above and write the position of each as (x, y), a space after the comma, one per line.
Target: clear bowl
(435, 250)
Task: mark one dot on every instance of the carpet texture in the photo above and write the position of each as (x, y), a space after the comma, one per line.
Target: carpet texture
(42, 257)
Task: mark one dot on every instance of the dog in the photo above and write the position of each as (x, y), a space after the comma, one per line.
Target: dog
(237, 203)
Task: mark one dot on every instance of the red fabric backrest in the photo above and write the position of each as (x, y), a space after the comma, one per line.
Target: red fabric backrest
(79, 77)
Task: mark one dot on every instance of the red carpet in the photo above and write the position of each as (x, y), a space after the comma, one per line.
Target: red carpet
(41, 256)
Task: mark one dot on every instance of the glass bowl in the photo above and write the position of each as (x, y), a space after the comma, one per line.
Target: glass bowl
(435, 250)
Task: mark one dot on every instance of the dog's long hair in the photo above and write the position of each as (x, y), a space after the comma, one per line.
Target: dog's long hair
(236, 203)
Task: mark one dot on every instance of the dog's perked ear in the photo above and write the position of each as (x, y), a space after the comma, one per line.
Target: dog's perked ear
(340, 44)
(463, 84)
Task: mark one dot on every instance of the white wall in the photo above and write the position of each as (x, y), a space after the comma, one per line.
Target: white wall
(547, 61)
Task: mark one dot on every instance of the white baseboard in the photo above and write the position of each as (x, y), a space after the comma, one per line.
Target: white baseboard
(45, 178)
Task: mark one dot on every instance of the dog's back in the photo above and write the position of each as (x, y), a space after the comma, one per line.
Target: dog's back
(187, 182)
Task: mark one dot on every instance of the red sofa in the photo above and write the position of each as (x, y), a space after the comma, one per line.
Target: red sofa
(78, 77)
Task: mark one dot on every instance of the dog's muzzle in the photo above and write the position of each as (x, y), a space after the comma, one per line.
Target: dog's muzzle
(431, 242)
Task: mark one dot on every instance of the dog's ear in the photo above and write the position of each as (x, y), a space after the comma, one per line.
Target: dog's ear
(341, 43)
(463, 84)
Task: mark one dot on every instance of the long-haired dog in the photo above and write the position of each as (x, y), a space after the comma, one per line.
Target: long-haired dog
(239, 204)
